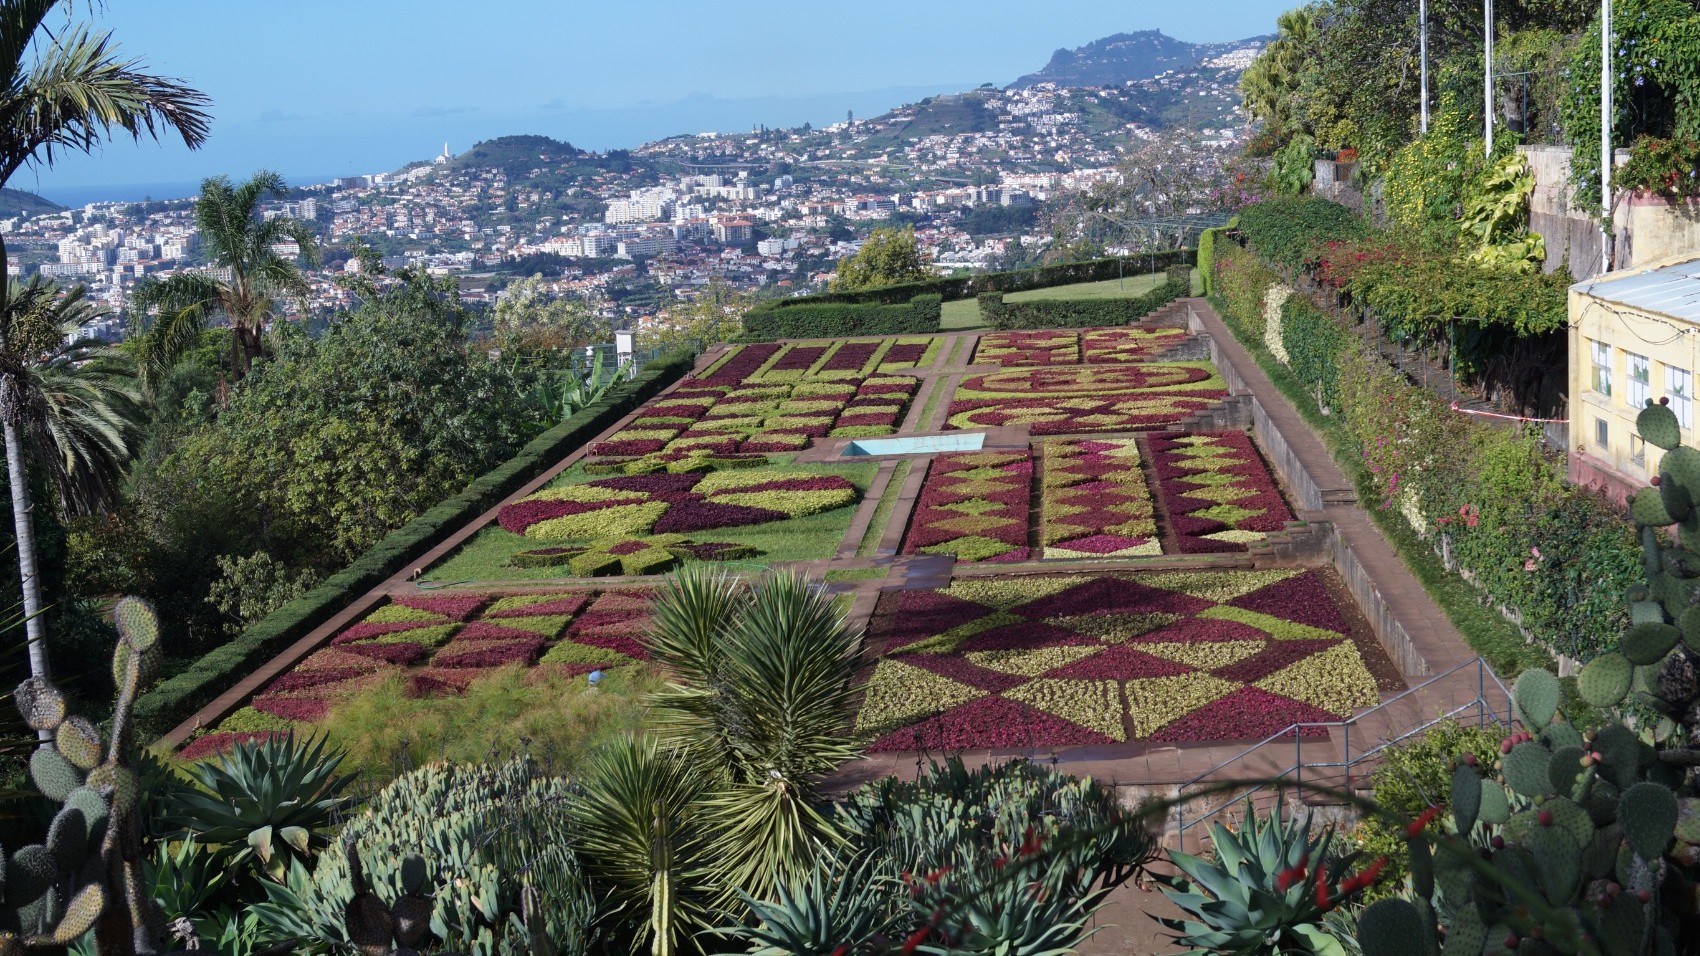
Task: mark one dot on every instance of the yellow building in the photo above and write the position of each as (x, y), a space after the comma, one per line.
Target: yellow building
(1634, 336)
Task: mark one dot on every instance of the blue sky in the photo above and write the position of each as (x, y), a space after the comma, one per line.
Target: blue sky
(326, 87)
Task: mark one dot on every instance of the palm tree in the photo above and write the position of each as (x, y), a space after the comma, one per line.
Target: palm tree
(239, 242)
(68, 90)
(65, 398)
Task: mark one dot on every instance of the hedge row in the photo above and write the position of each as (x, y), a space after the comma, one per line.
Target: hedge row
(966, 287)
(1207, 253)
(1556, 558)
(826, 320)
(1290, 231)
(175, 699)
(1083, 313)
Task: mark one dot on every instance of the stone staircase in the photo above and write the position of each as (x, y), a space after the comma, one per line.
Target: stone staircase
(1302, 542)
(1232, 413)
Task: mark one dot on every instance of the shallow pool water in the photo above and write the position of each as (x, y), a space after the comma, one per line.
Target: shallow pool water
(916, 445)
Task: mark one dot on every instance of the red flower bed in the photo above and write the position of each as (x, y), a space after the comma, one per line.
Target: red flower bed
(298, 680)
(1217, 490)
(745, 363)
(800, 358)
(974, 506)
(489, 653)
(300, 709)
(1090, 659)
(403, 654)
(366, 630)
(455, 607)
(904, 354)
(851, 356)
(209, 744)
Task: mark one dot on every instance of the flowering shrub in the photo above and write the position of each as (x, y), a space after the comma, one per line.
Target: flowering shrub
(1048, 661)
(1273, 300)
(1663, 167)
(974, 506)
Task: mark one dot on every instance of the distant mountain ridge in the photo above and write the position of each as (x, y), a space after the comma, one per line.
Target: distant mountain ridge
(17, 202)
(1115, 60)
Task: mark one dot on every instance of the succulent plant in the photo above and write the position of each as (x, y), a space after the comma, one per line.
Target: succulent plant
(1268, 889)
(1583, 840)
(87, 870)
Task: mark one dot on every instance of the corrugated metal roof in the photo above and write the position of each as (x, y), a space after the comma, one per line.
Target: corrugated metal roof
(1672, 290)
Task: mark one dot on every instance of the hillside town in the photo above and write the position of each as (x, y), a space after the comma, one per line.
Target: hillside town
(769, 212)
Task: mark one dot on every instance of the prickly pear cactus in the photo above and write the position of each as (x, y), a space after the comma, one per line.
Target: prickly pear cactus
(1584, 841)
(86, 871)
(401, 927)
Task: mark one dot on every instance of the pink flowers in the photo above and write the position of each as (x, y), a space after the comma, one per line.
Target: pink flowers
(1534, 560)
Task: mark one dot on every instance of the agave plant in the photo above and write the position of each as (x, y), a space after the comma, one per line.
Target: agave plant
(267, 800)
(1268, 890)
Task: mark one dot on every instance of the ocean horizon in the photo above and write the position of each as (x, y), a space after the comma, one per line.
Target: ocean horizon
(75, 197)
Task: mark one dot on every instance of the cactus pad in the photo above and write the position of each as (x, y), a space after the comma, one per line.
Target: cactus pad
(1558, 860)
(1528, 768)
(1621, 752)
(1623, 925)
(1564, 768)
(68, 839)
(1393, 927)
(1466, 797)
(1658, 426)
(78, 740)
(53, 775)
(41, 704)
(29, 874)
(1648, 643)
(123, 784)
(1648, 814)
(1648, 508)
(137, 623)
(93, 808)
(1495, 807)
(413, 874)
(80, 914)
(1537, 695)
(1604, 682)
(1644, 611)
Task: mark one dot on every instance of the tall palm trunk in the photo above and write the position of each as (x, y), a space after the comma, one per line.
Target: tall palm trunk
(24, 525)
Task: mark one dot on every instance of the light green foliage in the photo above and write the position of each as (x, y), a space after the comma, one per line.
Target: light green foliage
(529, 323)
(1247, 899)
(1495, 224)
(1295, 166)
(887, 257)
(482, 839)
(249, 588)
(265, 803)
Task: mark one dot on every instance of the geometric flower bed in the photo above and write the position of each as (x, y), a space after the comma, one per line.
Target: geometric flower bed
(974, 506)
(823, 360)
(1083, 399)
(1084, 659)
(1216, 490)
(1094, 502)
(708, 417)
(441, 644)
(673, 504)
(1031, 347)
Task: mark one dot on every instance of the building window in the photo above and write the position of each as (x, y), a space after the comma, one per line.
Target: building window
(1639, 378)
(1679, 388)
(1637, 451)
(1602, 368)
(1601, 435)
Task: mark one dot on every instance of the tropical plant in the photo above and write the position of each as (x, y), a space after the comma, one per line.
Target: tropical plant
(1267, 889)
(1295, 166)
(479, 854)
(761, 692)
(1269, 86)
(241, 244)
(1495, 224)
(563, 393)
(65, 400)
(262, 800)
(887, 257)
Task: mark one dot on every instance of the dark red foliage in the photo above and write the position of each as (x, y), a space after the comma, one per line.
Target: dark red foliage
(851, 356)
(455, 607)
(302, 709)
(305, 680)
(990, 722)
(1247, 714)
(212, 744)
(366, 630)
(489, 653)
(1304, 599)
(403, 654)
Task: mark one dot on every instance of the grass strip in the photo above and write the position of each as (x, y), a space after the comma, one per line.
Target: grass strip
(855, 574)
(941, 385)
(1486, 631)
(870, 542)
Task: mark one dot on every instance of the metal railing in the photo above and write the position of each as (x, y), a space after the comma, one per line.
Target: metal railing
(1491, 703)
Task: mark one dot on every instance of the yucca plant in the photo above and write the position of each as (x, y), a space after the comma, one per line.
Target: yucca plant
(760, 692)
(1268, 890)
(267, 800)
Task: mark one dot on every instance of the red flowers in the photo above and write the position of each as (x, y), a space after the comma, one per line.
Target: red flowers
(1421, 822)
(1290, 877)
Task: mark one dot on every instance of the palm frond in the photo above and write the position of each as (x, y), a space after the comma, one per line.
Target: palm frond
(170, 315)
(19, 21)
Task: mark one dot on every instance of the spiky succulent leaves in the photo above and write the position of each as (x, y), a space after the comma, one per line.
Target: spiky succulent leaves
(287, 785)
(642, 843)
(846, 902)
(1238, 901)
(761, 692)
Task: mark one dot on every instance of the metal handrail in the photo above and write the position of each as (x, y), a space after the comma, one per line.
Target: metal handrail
(1484, 674)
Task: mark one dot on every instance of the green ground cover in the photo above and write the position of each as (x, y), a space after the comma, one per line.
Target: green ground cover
(488, 555)
(870, 542)
(965, 313)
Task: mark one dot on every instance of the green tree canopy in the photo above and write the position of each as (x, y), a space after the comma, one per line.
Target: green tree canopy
(888, 257)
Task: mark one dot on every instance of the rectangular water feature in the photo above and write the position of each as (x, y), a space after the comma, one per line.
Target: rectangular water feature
(916, 445)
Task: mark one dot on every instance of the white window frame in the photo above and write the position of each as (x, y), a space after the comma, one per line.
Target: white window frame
(1638, 379)
(1602, 367)
(1679, 388)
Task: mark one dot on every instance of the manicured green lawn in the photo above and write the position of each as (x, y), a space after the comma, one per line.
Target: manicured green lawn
(486, 556)
(965, 313)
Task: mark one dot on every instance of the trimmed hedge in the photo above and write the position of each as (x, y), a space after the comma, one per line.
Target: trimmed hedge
(965, 287)
(1207, 254)
(826, 320)
(1290, 232)
(175, 699)
(1082, 313)
(1316, 345)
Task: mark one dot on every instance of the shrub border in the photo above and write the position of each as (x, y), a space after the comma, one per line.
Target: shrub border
(968, 286)
(177, 698)
(1004, 316)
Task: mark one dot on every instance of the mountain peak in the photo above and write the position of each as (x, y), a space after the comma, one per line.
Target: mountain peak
(1123, 57)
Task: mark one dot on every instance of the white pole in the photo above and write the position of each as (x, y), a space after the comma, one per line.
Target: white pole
(1605, 136)
(1422, 43)
(1487, 86)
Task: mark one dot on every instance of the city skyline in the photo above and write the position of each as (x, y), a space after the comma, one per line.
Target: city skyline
(629, 80)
